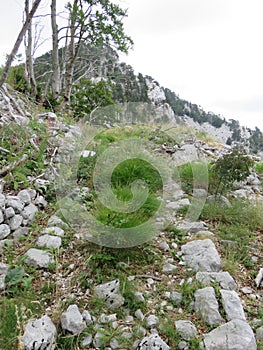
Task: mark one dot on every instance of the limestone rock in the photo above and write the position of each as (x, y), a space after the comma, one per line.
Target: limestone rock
(186, 329)
(49, 241)
(38, 258)
(4, 231)
(40, 334)
(24, 196)
(110, 292)
(29, 212)
(3, 272)
(41, 202)
(232, 305)
(72, 320)
(176, 298)
(9, 212)
(192, 227)
(2, 201)
(53, 230)
(234, 335)
(169, 268)
(21, 231)
(259, 334)
(15, 203)
(153, 342)
(206, 306)
(152, 321)
(224, 278)
(56, 221)
(201, 255)
(1, 216)
(15, 222)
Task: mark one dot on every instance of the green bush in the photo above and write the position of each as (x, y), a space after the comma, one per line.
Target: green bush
(231, 167)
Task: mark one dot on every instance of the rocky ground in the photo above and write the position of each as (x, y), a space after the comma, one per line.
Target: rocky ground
(181, 290)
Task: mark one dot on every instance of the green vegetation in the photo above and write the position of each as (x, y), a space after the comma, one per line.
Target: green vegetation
(231, 167)
(32, 141)
(88, 95)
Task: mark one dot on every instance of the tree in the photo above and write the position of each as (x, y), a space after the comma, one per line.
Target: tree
(96, 22)
(29, 68)
(18, 41)
(88, 96)
(55, 80)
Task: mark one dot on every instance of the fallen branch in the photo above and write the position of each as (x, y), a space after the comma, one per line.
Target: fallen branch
(147, 276)
(13, 100)
(6, 169)
(6, 151)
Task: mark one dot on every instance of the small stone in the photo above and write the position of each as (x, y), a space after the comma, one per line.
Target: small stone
(41, 202)
(20, 232)
(1, 216)
(164, 246)
(32, 193)
(15, 222)
(72, 320)
(129, 319)
(104, 319)
(29, 212)
(110, 292)
(169, 268)
(204, 234)
(87, 317)
(3, 272)
(38, 258)
(153, 342)
(140, 331)
(87, 340)
(40, 334)
(206, 306)
(56, 221)
(138, 313)
(15, 203)
(97, 341)
(9, 212)
(246, 290)
(176, 298)
(49, 241)
(186, 329)
(182, 345)
(114, 344)
(24, 196)
(139, 296)
(259, 334)
(2, 200)
(232, 305)
(53, 230)
(4, 231)
(152, 321)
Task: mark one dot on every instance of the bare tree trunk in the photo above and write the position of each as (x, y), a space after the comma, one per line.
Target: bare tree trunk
(56, 83)
(29, 55)
(70, 66)
(18, 42)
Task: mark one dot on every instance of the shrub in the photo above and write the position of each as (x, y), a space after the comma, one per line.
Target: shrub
(231, 167)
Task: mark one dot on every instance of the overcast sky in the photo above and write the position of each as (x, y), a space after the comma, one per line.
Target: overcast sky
(209, 52)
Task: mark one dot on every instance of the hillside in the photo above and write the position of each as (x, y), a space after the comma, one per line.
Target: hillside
(132, 228)
(104, 64)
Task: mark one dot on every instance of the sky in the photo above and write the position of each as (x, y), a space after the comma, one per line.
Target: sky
(208, 52)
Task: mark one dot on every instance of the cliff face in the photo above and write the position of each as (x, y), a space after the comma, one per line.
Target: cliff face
(127, 86)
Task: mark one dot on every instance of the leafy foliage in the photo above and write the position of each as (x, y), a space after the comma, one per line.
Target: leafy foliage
(88, 95)
(231, 167)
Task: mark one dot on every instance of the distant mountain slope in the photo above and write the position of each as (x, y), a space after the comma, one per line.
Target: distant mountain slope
(103, 63)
